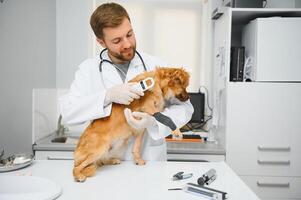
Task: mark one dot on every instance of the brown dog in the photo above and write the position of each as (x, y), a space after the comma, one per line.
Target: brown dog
(106, 136)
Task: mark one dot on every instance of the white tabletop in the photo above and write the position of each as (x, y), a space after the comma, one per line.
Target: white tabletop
(129, 181)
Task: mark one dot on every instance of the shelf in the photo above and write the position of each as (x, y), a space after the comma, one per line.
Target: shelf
(244, 15)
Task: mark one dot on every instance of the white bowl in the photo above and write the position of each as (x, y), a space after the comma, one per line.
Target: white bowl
(28, 188)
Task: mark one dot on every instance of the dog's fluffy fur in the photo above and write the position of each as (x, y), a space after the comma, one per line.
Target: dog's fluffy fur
(104, 139)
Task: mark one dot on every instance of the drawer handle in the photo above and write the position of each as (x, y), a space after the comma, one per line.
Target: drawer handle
(267, 184)
(58, 158)
(274, 162)
(271, 148)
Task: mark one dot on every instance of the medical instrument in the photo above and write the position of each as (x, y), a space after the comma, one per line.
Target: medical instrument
(202, 191)
(205, 192)
(207, 178)
(15, 162)
(145, 84)
(181, 176)
(110, 62)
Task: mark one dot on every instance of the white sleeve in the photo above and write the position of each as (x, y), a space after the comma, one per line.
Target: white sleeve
(83, 104)
(180, 113)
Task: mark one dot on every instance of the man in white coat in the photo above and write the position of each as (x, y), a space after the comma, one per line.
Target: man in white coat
(99, 84)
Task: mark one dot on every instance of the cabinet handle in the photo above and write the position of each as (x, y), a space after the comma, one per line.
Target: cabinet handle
(58, 158)
(274, 162)
(269, 184)
(271, 148)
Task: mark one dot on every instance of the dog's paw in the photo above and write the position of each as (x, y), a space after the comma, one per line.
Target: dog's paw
(115, 161)
(177, 134)
(139, 161)
(89, 170)
(80, 178)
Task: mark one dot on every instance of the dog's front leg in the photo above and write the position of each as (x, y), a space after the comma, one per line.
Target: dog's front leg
(137, 148)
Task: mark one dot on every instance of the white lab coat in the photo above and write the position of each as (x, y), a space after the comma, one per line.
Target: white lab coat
(85, 101)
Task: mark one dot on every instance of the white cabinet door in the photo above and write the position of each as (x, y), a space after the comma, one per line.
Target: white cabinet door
(262, 127)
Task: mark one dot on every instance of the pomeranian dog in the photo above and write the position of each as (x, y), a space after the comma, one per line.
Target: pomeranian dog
(104, 139)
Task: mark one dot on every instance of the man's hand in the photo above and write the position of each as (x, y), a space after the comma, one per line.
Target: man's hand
(123, 94)
(139, 120)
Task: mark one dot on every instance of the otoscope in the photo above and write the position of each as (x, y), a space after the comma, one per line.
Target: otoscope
(207, 178)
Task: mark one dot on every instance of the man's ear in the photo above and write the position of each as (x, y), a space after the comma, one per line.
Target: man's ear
(101, 42)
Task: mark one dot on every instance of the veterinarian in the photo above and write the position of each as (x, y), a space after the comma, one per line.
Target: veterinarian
(103, 80)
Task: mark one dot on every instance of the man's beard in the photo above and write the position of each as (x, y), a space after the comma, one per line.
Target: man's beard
(124, 56)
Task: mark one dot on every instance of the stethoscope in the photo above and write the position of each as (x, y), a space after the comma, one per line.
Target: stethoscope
(110, 62)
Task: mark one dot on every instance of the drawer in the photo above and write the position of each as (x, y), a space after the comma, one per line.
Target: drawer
(54, 155)
(195, 157)
(265, 162)
(274, 187)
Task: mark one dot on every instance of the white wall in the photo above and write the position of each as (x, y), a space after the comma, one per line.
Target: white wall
(74, 38)
(27, 61)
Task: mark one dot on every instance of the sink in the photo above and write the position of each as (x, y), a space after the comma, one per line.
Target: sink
(53, 141)
(65, 139)
(28, 187)
(59, 139)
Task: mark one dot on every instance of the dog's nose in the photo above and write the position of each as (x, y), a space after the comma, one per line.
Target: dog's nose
(183, 96)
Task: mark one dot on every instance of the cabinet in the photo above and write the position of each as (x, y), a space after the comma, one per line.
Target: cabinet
(53, 155)
(263, 125)
(260, 120)
(171, 156)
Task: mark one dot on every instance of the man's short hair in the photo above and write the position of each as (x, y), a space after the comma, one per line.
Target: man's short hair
(107, 15)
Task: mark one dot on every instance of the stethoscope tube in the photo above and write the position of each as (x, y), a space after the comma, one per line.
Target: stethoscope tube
(108, 61)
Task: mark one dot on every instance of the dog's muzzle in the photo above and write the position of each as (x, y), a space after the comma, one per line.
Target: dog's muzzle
(183, 96)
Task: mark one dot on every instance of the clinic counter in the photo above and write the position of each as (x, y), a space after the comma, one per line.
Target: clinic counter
(129, 181)
(172, 147)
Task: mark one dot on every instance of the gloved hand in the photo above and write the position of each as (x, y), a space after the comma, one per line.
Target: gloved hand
(139, 120)
(123, 94)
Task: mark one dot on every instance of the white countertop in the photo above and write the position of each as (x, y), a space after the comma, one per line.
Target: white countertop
(45, 144)
(129, 181)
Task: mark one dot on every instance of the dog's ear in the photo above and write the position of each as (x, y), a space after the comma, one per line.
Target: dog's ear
(172, 76)
(180, 76)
